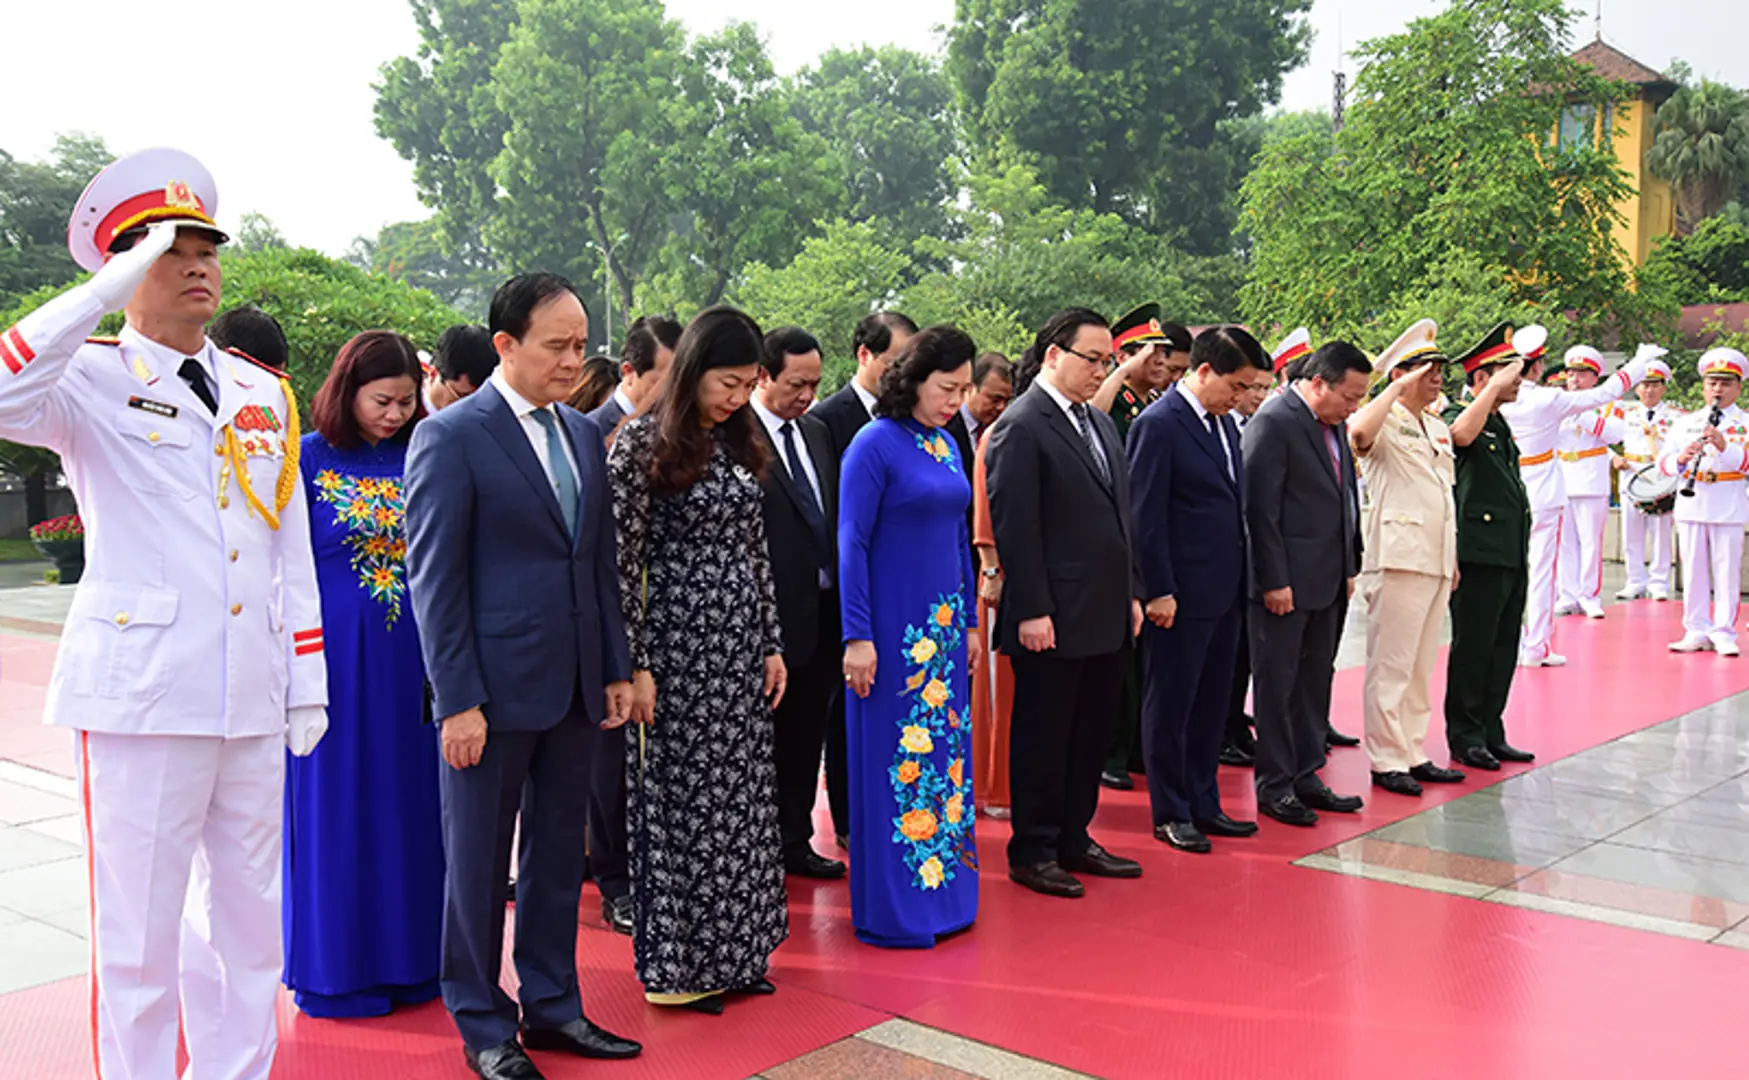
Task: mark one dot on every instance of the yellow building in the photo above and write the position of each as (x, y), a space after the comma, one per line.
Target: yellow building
(1651, 213)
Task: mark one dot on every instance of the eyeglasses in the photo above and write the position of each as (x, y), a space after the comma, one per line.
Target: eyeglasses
(1106, 362)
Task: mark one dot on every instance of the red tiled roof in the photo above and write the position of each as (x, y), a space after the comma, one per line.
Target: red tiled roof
(1612, 63)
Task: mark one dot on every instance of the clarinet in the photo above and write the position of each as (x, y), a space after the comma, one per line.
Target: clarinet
(1712, 421)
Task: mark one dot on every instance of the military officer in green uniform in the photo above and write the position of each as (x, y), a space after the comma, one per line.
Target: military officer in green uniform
(1493, 535)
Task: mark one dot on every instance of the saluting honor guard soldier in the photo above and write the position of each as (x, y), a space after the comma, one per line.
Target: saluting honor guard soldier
(1494, 522)
(1537, 417)
(1646, 432)
(1709, 450)
(1583, 452)
(192, 653)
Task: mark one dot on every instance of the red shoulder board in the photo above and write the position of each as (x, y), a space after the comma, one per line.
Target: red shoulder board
(269, 368)
(103, 341)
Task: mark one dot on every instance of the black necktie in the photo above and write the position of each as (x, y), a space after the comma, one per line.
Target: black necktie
(810, 502)
(1220, 442)
(1081, 421)
(194, 374)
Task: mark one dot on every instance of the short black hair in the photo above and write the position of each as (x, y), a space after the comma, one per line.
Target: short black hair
(465, 350)
(253, 331)
(647, 336)
(1228, 349)
(939, 348)
(1060, 329)
(875, 332)
(514, 303)
(991, 363)
(783, 343)
(1333, 362)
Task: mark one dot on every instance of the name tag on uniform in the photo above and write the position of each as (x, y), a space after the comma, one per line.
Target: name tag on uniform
(156, 408)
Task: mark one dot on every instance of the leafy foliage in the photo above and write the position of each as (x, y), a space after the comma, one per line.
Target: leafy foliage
(1120, 106)
(1447, 161)
(1700, 144)
(418, 253)
(1708, 266)
(36, 199)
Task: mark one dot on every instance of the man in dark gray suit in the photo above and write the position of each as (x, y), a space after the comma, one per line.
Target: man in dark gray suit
(644, 360)
(1302, 506)
(512, 572)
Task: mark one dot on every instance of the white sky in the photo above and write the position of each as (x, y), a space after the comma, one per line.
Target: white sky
(275, 96)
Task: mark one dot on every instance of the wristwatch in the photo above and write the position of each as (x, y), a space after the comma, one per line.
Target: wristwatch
(992, 571)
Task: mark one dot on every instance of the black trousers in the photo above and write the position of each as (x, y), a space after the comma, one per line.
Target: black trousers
(1238, 720)
(1058, 736)
(1486, 609)
(1184, 713)
(800, 725)
(548, 774)
(1126, 753)
(607, 814)
(1290, 688)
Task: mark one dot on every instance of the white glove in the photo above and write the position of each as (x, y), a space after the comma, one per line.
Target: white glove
(304, 728)
(1650, 352)
(115, 282)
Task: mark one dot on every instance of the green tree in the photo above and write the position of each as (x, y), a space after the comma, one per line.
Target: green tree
(1708, 266)
(887, 115)
(846, 271)
(745, 179)
(36, 199)
(1448, 154)
(1700, 144)
(1120, 105)
(256, 231)
(417, 252)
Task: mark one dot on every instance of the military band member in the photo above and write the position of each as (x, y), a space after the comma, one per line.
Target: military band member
(1285, 358)
(1409, 561)
(1710, 447)
(193, 649)
(1646, 432)
(1537, 417)
(1493, 532)
(1583, 453)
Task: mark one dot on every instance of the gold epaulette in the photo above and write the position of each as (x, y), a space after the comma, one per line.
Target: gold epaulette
(103, 341)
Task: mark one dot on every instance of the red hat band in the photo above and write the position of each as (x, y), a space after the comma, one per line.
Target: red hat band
(1290, 355)
(173, 201)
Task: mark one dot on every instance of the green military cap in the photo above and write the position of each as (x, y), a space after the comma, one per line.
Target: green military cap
(1140, 326)
(1495, 348)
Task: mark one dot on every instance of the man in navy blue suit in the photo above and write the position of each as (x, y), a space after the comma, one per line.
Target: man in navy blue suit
(1187, 484)
(511, 558)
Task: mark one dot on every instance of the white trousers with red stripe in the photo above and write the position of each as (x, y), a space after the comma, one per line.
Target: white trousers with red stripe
(1640, 531)
(183, 846)
(1712, 572)
(1539, 597)
(1581, 558)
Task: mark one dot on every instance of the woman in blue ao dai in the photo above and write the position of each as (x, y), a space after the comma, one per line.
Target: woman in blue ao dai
(909, 599)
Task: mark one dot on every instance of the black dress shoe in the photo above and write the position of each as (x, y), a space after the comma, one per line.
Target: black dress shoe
(1117, 781)
(1477, 757)
(506, 1061)
(1289, 811)
(809, 865)
(1048, 878)
(1504, 752)
(1429, 773)
(1222, 825)
(1400, 783)
(758, 987)
(582, 1038)
(1184, 836)
(710, 1006)
(616, 911)
(1325, 799)
(1237, 756)
(1098, 862)
(1332, 737)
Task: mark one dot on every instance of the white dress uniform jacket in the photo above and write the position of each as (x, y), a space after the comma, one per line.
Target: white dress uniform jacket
(1583, 450)
(194, 617)
(1720, 494)
(1709, 526)
(1537, 418)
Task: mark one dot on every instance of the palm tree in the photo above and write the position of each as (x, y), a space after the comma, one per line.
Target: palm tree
(1701, 146)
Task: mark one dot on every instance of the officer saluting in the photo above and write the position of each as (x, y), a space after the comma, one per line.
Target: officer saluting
(193, 647)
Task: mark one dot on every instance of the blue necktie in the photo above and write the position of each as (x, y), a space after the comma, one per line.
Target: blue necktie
(564, 480)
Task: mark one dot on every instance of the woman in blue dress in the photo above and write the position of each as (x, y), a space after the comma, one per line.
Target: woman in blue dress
(363, 842)
(909, 600)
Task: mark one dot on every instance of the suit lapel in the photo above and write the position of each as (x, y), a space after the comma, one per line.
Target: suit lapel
(1065, 429)
(1199, 434)
(503, 425)
(791, 485)
(819, 444)
(578, 427)
(1314, 429)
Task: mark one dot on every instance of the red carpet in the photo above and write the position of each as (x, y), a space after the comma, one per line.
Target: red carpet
(1231, 965)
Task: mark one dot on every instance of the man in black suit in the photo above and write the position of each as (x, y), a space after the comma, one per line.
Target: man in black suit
(878, 339)
(1240, 748)
(644, 361)
(1060, 508)
(1188, 476)
(801, 527)
(1303, 508)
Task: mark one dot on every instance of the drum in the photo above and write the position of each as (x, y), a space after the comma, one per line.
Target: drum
(1652, 491)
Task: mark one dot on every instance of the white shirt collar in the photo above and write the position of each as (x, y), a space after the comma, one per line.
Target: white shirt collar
(867, 399)
(773, 422)
(624, 403)
(169, 360)
(519, 405)
(1057, 396)
(1202, 412)
(972, 424)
